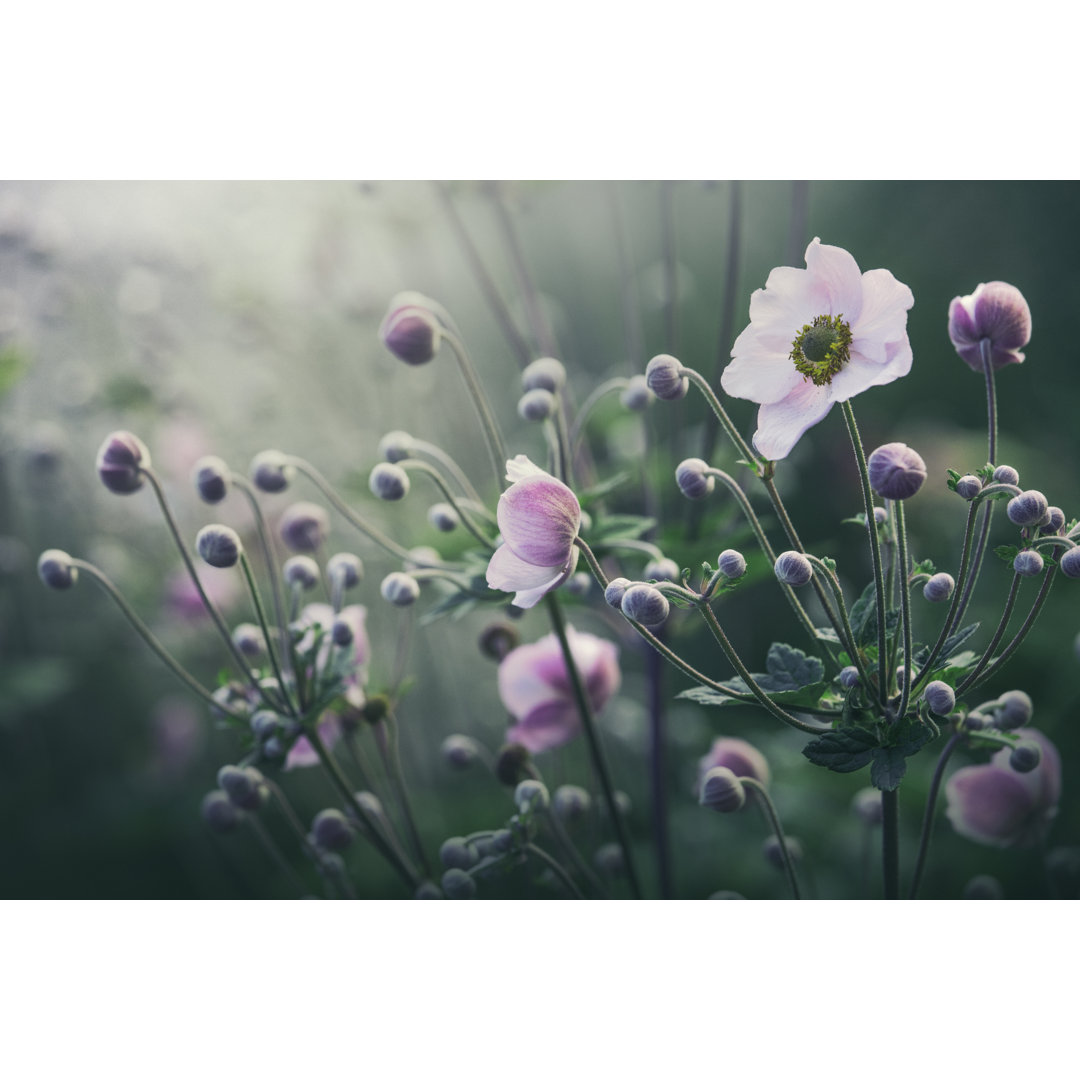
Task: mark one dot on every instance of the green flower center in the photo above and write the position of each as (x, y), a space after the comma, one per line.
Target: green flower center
(822, 348)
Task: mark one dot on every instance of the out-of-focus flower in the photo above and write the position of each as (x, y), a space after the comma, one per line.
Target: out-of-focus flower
(355, 615)
(535, 687)
(182, 598)
(302, 755)
(179, 735)
(738, 756)
(817, 336)
(539, 518)
(411, 328)
(996, 805)
(996, 311)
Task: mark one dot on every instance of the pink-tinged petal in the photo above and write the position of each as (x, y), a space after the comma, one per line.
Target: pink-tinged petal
(547, 726)
(738, 756)
(356, 616)
(539, 518)
(1002, 314)
(859, 374)
(532, 675)
(886, 303)
(519, 467)
(781, 424)
(1044, 781)
(527, 598)
(757, 374)
(508, 573)
(838, 272)
(962, 321)
(989, 805)
(303, 755)
(791, 298)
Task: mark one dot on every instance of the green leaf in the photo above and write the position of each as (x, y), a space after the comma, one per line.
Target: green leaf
(1007, 552)
(950, 646)
(926, 566)
(826, 633)
(858, 519)
(829, 564)
(805, 696)
(843, 750)
(706, 695)
(887, 768)
(617, 527)
(789, 668)
(953, 477)
(605, 487)
(862, 610)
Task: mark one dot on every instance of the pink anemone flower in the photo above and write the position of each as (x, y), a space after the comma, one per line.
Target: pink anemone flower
(738, 756)
(539, 518)
(996, 311)
(817, 336)
(535, 687)
(302, 754)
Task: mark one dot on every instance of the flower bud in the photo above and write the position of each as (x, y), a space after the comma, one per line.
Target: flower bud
(983, 887)
(501, 841)
(1028, 563)
(722, 790)
(409, 332)
(615, 591)
(400, 589)
(497, 639)
(662, 570)
(248, 638)
(303, 527)
(976, 721)
(389, 482)
(512, 764)
(940, 698)
(458, 885)
(939, 587)
(121, 460)
(645, 605)
(793, 568)
(537, 405)
(341, 633)
(396, 446)
(428, 890)
(1028, 508)
(444, 517)
(1025, 756)
(731, 564)
(211, 477)
(637, 396)
(1006, 474)
(727, 894)
(331, 831)
(849, 677)
(370, 804)
(459, 751)
(547, 373)
(244, 786)
(219, 546)
(271, 472)
(665, 378)
(531, 796)
(457, 852)
(570, 803)
(1014, 710)
(881, 515)
(997, 312)
(264, 724)
(867, 806)
(896, 471)
(346, 568)
(578, 584)
(301, 570)
(1070, 563)
(1054, 526)
(967, 487)
(55, 569)
(693, 478)
(773, 853)
(608, 859)
(219, 813)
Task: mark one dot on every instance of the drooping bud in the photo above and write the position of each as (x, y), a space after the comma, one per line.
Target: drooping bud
(615, 591)
(410, 331)
(774, 853)
(303, 527)
(997, 312)
(867, 806)
(444, 517)
(248, 638)
(1054, 526)
(1070, 563)
(458, 885)
(341, 632)
(722, 790)
(531, 796)
(693, 478)
(1028, 563)
(896, 471)
(460, 751)
(645, 605)
(1006, 474)
(219, 813)
(665, 378)
(881, 515)
(271, 472)
(301, 570)
(940, 697)
(637, 396)
(389, 482)
(661, 570)
(121, 460)
(1014, 710)
(457, 852)
(967, 487)
(570, 803)
(547, 373)
(537, 405)
(579, 584)
(400, 589)
(211, 478)
(396, 446)
(793, 568)
(1028, 508)
(731, 564)
(497, 639)
(245, 787)
(219, 546)
(331, 831)
(512, 764)
(849, 677)
(1025, 756)
(345, 568)
(55, 569)
(939, 587)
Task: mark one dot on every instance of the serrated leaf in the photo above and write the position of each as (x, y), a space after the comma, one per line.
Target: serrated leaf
(826, 633)
(1007, 552)
(925, 566)
(950, 646)
(789, 668)
(953, 477)
(887, 768)
(843, 750)
(706, 695)
(862, 609)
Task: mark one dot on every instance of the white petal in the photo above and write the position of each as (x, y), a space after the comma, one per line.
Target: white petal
(519, 467)
(780, 425)
(886, 303)
(838, 273)
(791, 298)
(758, 374)
(507, 573)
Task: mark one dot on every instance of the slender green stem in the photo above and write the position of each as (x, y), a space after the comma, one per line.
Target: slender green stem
(719, 412)
(763, 800)
(260, 613)
(562, 441)
(577, 428)
(848, 636)
(451, 466)
(592, 736)
(416, 465)
(570, 850)
(988, 653)
(275, 853)
(985, 352)
(557, 869)
(875, 548)
(147, 635)
(976, 565)
(890, 842)
(928, 813)
(392, 760)
(632, 545)
(905, 605)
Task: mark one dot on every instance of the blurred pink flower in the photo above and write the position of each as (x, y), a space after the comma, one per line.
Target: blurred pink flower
(993, 804)
(356, 616)
(182, 598)
(179, 734)
(539, 518)
(302, 754)
(535, 687)
(817, 336)
(738, 756)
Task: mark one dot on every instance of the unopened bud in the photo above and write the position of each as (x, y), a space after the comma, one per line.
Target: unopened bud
(731, 564)
(1027, 508)
(1014, 710)
(301, 570)
(389, 482)
(1028, 563)
(219, 546)
(1006, 474)
(219, 813)
(121, 460)
(849, 677)
(967, 487)
(55, 569)
(331, 830)
(662, 570)
(1070, 563)
(721, 790)
(211, 477)
(531, 796)
(1025, 756)
(458, 885)
(615, 591)
(939, 697)
(497, 639)
(248, 638)
(456, 852)
(345, 568)
(304, 527)
(645, 605)
(271, 472)
(609, 860)
(245, 787)
(547, 373)
(512, 764)
(694, 479)
(537, 405)
(665, 378)
(896, 471)
(459, 751)
(793, 568)
(637, 396)
(400, 589)
(570, 803)
(867, 806)
(773, 852)
(396, 446)
(1056, 523)
(444, 517)
(409, 331)
(428, 890)
(939, 587)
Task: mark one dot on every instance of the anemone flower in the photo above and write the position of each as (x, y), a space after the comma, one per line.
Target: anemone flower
(738, 756)
(535, 687)
(817, 336)
(539, 518)
(996, 311)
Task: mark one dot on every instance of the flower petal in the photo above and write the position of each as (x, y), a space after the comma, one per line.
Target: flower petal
(886, 303)
(989, 805)
(758, 373)
(781, 424)
(551, 724)
(539, 517)
(791, 298)
(838, 274)
(519, 467)
(507, 572)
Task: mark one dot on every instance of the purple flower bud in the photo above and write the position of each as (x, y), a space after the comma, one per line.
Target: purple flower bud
(608, 859)
(265, 724)
(1006, 474)
(939, 696)
(331, 831)
(55, 569)
(344, 567)
(512, 764)
(662, 570)
(121, 461)
(341, 632)
(939, 587)
(304, 527)
(219, 546)
(497, 639)
(531, 797)
(547, 373)
(739, 757)
(1014, 710)
(693, 478)
(400, 589)
(428, 890)
(537, 405)
(302, 571)
(410, 331)
(459, 751)
(983, 887)
(370, 803)
(271, 472)
(976, 721)
(1070, 563)
(1028, 563)
(849, 677)
(637, 396)
(1025, 756)
(645, 605)
(1056, 523)
(773, 854)
(457, 852)
(245, 787)
(248, 638)
(967, 487)
(867, 806)
(665, 378)
(211, 477)
(579, 584)
(570, 803)
(457, 884)
(444, 517)
(396, 446)
(731, 564)
(389, 482)
(727, 894)
(615, 591)
(793, 568)
(721, 790)
(1028, 508)
(995, 311)
(881, 515)
(896, 471)
(219, 813)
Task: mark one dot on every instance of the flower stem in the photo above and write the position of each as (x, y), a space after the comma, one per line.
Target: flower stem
(557, 869)
(658, 772)
(928, 813)
(848, 636)
(988, 653)
(388, 748)
(415, 465)
(774, 820)
(890, 842)
(730, 429)
(905, 603)
(452, 468)
(260, 613)
(991, 401)
(592, 736)
(611, 386)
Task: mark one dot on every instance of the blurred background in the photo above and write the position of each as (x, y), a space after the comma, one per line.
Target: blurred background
(230, 318)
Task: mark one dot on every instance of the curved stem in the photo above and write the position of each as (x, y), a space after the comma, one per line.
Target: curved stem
(905, 604)
(260, 613)
(774, 819)
(452, 467)
(557, 869)
(578, 426)
(719, 412)
(415, 465)
(976, 564)
(392, 760)
(928, 813)
(988, 653)
(848, 636)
